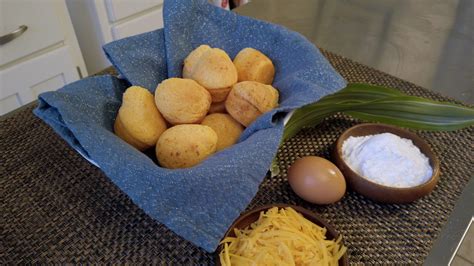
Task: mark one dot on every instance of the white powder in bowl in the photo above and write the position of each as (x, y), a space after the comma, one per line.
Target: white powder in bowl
(387, 159)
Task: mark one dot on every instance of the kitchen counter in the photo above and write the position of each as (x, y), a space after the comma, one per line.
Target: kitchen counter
(60, 208)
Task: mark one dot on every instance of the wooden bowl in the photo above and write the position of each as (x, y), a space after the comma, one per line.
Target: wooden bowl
(377, 192)
(251, 216)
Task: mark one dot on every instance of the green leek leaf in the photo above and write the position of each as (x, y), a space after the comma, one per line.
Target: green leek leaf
(385, 105)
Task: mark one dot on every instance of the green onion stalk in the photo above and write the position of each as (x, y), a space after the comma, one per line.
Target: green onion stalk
(381, 104)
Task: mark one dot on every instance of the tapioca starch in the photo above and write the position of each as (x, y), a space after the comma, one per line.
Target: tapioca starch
(387, 159)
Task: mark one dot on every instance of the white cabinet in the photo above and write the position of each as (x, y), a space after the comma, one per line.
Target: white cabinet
(145, 23)
(120, 9)
(46, 56)
(98, 22)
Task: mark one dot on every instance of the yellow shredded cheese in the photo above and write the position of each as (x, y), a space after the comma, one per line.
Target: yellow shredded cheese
(281, 237)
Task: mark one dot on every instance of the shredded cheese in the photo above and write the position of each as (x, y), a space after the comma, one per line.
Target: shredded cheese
(281, 237)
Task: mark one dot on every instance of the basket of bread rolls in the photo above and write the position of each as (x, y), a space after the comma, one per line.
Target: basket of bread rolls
(190, 127)
(189, 119)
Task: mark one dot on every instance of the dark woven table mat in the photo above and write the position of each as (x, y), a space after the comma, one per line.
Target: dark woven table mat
(56, 207)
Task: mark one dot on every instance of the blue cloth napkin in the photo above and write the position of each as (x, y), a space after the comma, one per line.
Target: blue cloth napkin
(201, 202)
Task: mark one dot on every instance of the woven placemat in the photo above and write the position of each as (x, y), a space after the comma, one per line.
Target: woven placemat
(57, 208)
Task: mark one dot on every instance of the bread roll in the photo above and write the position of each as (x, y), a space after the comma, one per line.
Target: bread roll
(252, 65)
(249, 99)
(184, 146)
(138, 121)
(227, 129)
(192, 59)
(217, 108)
(213, 69)
(182, 101)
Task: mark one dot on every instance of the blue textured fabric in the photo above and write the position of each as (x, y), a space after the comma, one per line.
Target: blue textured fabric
(201, 202)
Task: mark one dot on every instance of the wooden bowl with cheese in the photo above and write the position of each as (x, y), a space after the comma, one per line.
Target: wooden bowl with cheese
(280, 233)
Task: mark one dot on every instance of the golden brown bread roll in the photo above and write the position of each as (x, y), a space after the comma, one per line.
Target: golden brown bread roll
(192, 59)
(182, 101)
(184, 146)
(138, 121)
(227, 129)
(249, 99)
(213, 69)
(253, 65)
(217, 108)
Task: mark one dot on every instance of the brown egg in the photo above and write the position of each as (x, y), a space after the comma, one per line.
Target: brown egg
(316, 180)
